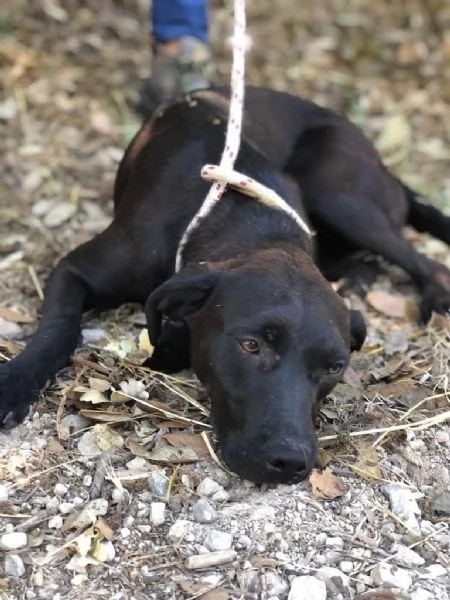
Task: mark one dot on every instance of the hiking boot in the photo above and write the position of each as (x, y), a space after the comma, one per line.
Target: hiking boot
(178, 67)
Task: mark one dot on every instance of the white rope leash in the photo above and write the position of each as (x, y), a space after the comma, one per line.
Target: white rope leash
(248, 186)
(224, 174)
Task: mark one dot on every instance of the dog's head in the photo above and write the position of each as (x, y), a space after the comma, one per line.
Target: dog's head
(269, 339)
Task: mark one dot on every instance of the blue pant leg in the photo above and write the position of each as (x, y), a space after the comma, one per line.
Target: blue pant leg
(172, 19)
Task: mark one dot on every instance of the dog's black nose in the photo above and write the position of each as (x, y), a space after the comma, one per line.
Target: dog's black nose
(288, 463)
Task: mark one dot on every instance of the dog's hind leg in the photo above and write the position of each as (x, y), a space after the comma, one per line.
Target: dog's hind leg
(366, 226)
(98, 274)
(427, 218)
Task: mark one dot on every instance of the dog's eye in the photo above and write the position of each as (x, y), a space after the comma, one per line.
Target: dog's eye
(250, 345)
(335, 368)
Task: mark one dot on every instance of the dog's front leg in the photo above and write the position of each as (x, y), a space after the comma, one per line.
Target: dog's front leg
(99, 274)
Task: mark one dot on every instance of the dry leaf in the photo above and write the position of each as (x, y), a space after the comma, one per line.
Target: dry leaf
(93, 397)
(196, 589)
(135, 388)
(145, 343)
(106, 438)
(170, 455)
(105, 530)
(388, 304)
(325, 485)
(104, 416)
(103, 551)
(118, 398)
(368, 463)
(16, 317)
(395, 135)
(101, 385)
(83, 542)
(137, 449)
(323, 458)
(187, 440)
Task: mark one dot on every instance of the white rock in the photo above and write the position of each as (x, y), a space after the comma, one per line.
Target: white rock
(179, 530)
(105, 551)
(66, 507)
(13, 540)
(335, 580)
(335, 543)
(275, 584)
(346, 566)
(87, 480)
(421, 594)
(307, 587)
(59, 213)
(4, 492)
(60, 489)
(203, 511)
(207, 487)
(387, 575)
(55, 522)
(14, 566)
(220, 496)
(433, 571)
(87, 445)
(78, 579)
(9, 330)
(157, 513)
(406, 557)
(218, 540)
(52, 506)
(404, 505)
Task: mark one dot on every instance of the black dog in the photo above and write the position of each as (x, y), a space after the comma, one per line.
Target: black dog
(249, 310)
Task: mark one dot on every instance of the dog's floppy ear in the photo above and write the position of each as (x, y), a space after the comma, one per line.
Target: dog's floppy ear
(179, 297)
(358, 330)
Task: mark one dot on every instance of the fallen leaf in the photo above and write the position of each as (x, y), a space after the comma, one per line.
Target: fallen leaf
(388, 304)
(105, 530)
(368, 463)
(137, 449)
(13, 315)
(106, 438)
(135, 388)
(325, 485)
(103, 551)
(100, 385)
(83, 542)
(93, 397)
(395, 135)
(170, 455)
(323, 458)
(104, 416)
(187, 440)
(202, 591)
(145, 343)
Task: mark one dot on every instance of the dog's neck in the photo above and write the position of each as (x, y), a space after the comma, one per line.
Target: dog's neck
(247, 186)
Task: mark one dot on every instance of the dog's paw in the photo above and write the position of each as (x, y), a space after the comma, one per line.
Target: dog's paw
(18, 391)
(436, 294)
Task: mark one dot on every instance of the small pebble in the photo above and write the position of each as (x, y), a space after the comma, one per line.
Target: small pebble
(207, 487)
(157, 513)
(13, 541)
(275, 584)
(335, 580)
(87, 480)
(218, 540)
(307, 587)
(387, 575)
(179, 530)
(346, 566)
(4, 492)
(55, 522)
(335, 543)
(203, 511)
(66, 507)
(60, 489)
(433, 571)
(52, 506)
(14, 566)
(158, 484)
(406, 557)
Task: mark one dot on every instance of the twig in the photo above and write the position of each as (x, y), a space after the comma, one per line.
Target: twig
(36, 282)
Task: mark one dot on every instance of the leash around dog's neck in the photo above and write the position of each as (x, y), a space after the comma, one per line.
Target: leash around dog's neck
(224, 175)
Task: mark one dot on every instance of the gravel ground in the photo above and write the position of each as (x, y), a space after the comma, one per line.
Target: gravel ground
(109, 489)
